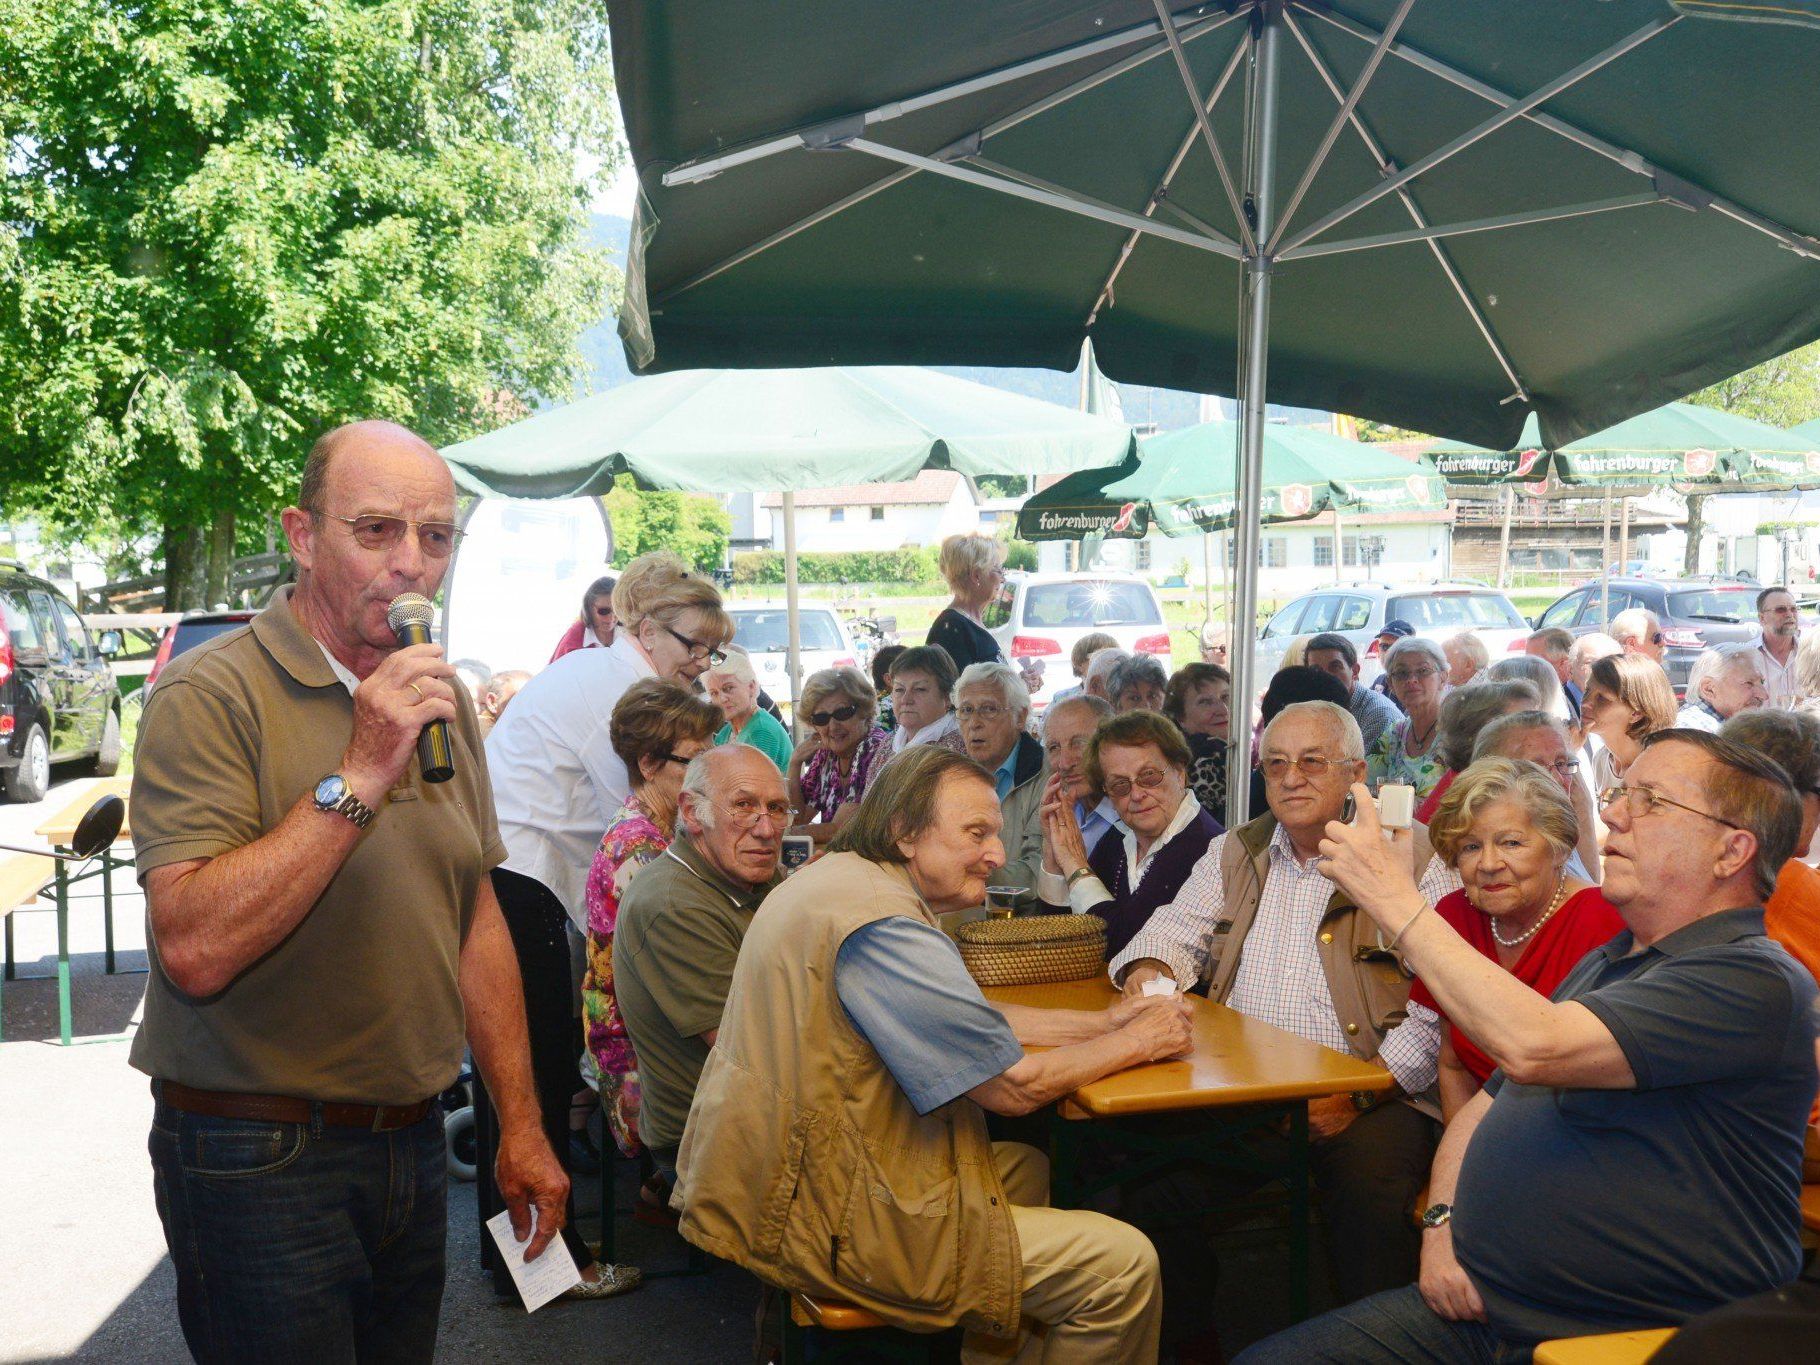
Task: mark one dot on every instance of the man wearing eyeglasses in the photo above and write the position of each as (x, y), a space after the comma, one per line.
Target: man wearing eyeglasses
(992, 706)
(1260, 923)
(1636, 1158)
(1779, 626)
(1638, 631)
(324, 939)
(682, 922)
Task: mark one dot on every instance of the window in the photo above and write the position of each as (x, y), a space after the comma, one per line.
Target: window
(768, 632)
(998, 610)
(1285, 621)
(1273, 552)
(1736, 605)
(837, 514)
(1455, 610)
(1355, 614)
(1143, 555)
(74, 631)
(21, 626)
(1349, 551)
(1321, 612)
(1323, 552)
(45, 621)
(878, 514)
(1562, 613)
(1054, 605)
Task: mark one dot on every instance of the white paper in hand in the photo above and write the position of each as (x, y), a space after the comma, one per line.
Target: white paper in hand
(1159, 985)
(541, 1280)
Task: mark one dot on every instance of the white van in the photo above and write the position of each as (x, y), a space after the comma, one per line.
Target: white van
(1041, 615)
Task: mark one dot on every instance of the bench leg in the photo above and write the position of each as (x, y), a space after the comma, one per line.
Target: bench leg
(1298, 1212)
(9, 947)
(63, 955)
(108, 864)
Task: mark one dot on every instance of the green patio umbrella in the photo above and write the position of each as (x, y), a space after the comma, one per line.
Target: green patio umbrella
(729, 431)
(1442, 215)
(1808, 431)
(1181, 484)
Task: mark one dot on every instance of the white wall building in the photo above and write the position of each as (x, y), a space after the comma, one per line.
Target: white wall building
(925, 510)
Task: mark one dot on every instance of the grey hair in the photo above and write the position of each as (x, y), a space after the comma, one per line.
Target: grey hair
(1537, 672)
(1634, 623)
(1467, 710)
(1713, 662)
(1102, 663)
(1135, 669)
(698, 777)
(1338, 718)
(1493, 738)
(1010, 686)
(1101, 708)
(1472, 646)
(1416, 644)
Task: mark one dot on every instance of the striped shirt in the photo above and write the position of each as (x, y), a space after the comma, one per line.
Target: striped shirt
(1280, 979)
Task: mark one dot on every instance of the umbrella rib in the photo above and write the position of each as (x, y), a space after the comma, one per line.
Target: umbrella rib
(1510, 113)
(1062, 192)
(1160, 193)
(1634, 162)
(1051, 198)
(1492, 224)
(1375, 150)
(704, 168)
(1167, 22)
(1340, 118)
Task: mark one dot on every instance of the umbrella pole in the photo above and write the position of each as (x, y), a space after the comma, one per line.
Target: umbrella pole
(1605, 563)
(1624, 534)
(1261, 134)
(1338, 538)
(793, 658)
(1510, 503)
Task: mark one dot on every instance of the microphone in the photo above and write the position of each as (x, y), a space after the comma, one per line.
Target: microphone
(409, 616)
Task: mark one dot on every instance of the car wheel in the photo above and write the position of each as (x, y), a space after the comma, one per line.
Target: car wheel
(31, 780)
(463, 1150)
(107, 758)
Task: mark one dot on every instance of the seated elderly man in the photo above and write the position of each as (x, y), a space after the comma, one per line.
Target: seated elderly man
(1098, 677)
(1139, 683)
(1467, 657)
(1335, 655)
(1260, 923)
(838, 1141)
(993, 705)
(682, 921)
(1542, 739)
(1723, 682)
(1067, 726)
(1636, 1157)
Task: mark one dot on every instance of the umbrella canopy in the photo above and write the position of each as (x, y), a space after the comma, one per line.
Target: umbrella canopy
(1807, 431)
(1681, 444)
(728, 431)
(1182, 484)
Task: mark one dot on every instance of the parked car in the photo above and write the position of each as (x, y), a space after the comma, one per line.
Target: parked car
(1696, 613)
(1041, 615)
(1360, 610)
(191, 631)
(762, 629)
(58, 698)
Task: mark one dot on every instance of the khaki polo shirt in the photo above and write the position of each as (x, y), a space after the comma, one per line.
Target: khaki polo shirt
(674, 948)
(362, 1002)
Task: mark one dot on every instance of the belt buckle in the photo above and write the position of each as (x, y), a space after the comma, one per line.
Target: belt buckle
(382, 1118)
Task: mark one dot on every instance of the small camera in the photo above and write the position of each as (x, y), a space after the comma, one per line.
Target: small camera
(797, 850)
(1395, 804)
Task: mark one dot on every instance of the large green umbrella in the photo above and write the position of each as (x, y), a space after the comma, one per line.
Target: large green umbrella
(1442, 215)
(1807, 431)
(1181, 484)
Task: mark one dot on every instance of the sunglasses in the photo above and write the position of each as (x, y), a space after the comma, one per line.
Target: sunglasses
(437, 539)
(842, 713)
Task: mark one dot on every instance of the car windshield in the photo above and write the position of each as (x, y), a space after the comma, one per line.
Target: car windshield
(1054, 605)
(1736, 605)
(765, 632)
(192, 633)
(1463, 610)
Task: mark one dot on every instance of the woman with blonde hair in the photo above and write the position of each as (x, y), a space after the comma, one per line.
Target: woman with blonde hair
(1506, 827)
(832, 769)
(974, 567)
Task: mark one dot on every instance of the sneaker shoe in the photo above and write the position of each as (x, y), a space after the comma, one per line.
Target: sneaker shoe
(614, 1280)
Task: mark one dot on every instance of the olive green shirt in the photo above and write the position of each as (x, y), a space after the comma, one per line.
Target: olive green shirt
(678, 936)
(361, 1003)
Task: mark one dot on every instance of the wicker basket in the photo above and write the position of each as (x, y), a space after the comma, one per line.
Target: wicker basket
(1034, 950)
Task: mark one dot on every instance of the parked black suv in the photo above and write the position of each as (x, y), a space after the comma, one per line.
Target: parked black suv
(58, 698)
(1696, 614)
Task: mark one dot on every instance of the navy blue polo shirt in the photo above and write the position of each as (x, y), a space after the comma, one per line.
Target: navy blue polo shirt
(1583, 1211)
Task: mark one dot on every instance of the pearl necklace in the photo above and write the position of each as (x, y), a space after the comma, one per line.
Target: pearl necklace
(1529, 933)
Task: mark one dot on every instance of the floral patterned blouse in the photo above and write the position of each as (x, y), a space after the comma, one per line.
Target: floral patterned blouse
(1391, 761)
(632, 840)
(826, 791)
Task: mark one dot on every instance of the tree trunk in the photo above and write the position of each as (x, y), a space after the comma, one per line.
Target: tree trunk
(1696, 505)
(221, 558)
(183, 567)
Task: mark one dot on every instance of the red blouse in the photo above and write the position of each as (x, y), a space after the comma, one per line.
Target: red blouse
(1586, 922)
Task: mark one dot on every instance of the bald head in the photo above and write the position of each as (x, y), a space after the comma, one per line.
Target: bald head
(361, 442)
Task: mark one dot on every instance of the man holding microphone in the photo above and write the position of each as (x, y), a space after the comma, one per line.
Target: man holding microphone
(323, 932)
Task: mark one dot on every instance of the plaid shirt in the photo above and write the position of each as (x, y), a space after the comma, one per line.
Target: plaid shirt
(1280, 979)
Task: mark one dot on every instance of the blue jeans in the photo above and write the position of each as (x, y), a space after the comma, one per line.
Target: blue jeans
(298, 1242)
(1392, 1328)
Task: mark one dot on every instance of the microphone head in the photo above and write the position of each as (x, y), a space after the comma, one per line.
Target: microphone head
(410, 608)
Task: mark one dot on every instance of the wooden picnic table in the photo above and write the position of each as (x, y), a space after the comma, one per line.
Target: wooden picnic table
(61, 827)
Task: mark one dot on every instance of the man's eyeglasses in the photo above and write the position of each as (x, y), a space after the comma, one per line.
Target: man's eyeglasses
(1642, 800)
(839, 713)
(1657, 638)
(1564, 767)
(437, 539)
(698, 651)
(1314, 767)
(746, 812)
(1149, 779)
(1413, 674)
(989, 711)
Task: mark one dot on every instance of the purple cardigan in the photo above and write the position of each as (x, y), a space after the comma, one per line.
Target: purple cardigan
(1128, 910)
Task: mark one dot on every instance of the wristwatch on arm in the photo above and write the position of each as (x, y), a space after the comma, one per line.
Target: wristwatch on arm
(335, 797)
(1435, 1215)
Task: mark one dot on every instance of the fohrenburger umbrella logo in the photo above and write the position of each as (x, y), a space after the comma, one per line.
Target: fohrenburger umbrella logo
(1699, 463)
(1417, 486)
(1526, 461)
(1123, 520)
(1297, 499)
(1812, 459)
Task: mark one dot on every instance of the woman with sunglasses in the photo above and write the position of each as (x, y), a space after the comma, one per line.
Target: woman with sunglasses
(831, 770)
(1140, 762)
(557, 784)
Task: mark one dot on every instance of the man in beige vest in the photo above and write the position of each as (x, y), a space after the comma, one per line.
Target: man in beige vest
(1273, 938)
(837, 1143)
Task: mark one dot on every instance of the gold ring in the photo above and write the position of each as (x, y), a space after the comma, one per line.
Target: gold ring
(418, 690)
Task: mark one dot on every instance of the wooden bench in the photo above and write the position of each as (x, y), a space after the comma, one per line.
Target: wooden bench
(22, 877)
(1611, 1348)
(807, 1314)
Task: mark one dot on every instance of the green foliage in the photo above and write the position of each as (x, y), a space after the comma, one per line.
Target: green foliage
(1019, 554)
(228, 225)
(694, 525)
(909, 566)
(1776, 528)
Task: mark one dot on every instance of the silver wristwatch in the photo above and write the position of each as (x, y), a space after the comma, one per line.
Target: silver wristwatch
(1436, 1214)
(335, 797)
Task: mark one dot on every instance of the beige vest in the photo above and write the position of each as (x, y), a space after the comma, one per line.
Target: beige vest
(804, 1161)
(1369, 982)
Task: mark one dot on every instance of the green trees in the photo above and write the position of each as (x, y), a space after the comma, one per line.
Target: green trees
(227, 225)
(692, 524)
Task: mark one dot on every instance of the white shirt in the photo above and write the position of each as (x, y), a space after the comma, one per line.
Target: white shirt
(342, 675)
(902, 739)
(556, 780)
(1279, 978)
(1778, 679)
(1090, 891)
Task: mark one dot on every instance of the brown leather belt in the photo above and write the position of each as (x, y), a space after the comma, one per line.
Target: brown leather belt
(215, 1104)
